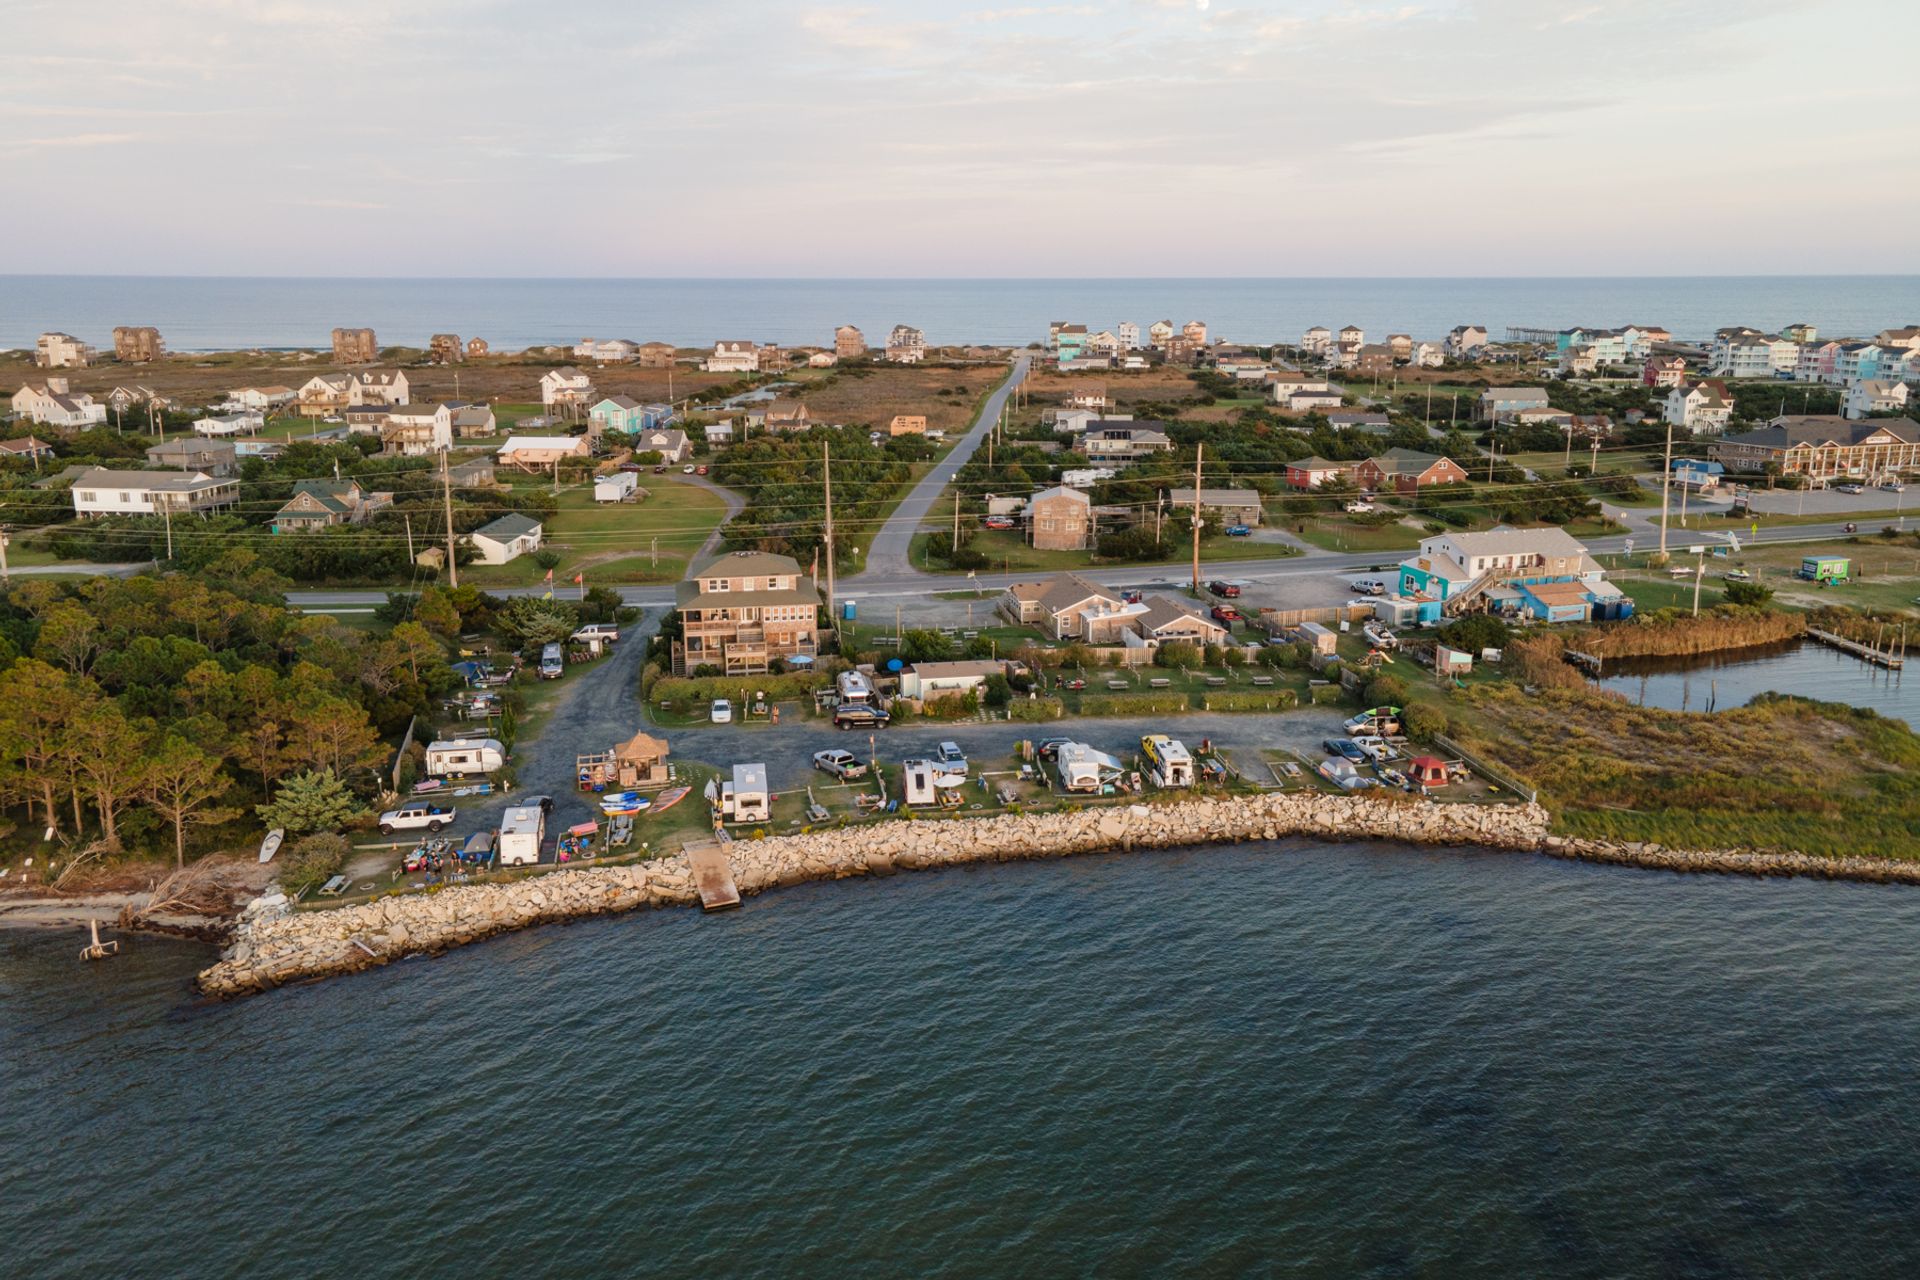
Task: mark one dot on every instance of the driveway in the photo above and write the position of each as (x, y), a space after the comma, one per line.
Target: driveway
(888, 555)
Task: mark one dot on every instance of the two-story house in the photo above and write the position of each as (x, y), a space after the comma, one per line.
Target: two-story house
(1060, 519)
(1663, 371)
(566, 387)
(730, 356)
(1465, 341)
(377, 386)
(418, 430)
(325, 394)
(321, 504)
(1876, 396)
(1498, 404)
(62, 351)
(1104, 441)
(906, 345)
(1701, 407)
(1540, 573)
(741, 610)
(102, 492)
(53, 404)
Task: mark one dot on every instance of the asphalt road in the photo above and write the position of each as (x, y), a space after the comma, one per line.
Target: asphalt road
(887, 557)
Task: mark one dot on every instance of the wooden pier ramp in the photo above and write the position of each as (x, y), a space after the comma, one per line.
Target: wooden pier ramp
(1879, 657)
(712, 875)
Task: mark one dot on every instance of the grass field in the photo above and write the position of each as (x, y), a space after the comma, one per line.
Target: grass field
(869, 395)
(1008, 552)
(612, 542)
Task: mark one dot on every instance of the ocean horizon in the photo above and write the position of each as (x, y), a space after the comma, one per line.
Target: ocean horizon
(204, 313)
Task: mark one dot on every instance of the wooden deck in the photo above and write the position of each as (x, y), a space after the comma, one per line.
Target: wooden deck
(1880, 657)
(712, 875)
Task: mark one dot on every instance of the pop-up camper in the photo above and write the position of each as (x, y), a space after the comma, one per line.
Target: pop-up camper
(1084, 769)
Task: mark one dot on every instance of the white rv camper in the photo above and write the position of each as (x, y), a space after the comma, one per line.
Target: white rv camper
(1086, 770)
(457, 757)
(746, 798)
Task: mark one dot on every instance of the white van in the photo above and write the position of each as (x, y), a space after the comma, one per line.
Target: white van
(553, 663)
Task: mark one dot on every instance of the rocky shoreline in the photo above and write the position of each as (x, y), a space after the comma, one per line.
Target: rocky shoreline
(270, 949)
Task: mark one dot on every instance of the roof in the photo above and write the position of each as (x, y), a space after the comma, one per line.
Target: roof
(1497, 394)
(1821, 428)
(1217, 497)
(641, 746)
(746, 564)
(952, 670)
(1161, 612)
(150, 481)
(508, 527)
(1062, 591)
(1359, 417)
(540, 443)
(1404, 461)
(1061, 491)
(33, 444)
(1318, 464)
(1556, 593)
(620, 402)
(1504, 541)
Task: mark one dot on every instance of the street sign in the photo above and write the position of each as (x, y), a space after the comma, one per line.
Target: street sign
(1629, 546)
(1696, 551)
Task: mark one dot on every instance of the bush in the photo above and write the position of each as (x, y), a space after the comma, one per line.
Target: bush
(1470, 635)
(1749, 594)
(1036, 709)
(796, 685)
(1386, 691)
(1253, 700)
(1423, 721)
(999, 691)
(311, 861)
(1177, 654)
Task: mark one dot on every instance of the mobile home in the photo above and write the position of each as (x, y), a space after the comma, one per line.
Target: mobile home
(1085, 770)
(746, 798)
(522, 831)
(458, 757)
(1826, 569)
(617, 486)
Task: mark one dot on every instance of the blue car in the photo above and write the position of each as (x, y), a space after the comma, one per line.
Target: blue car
(1239, 531)
(1345, 748)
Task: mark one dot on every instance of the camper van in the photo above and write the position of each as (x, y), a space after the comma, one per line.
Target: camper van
(1169, 763)
(553, 663)
(460, 757)
(856, 690)
(522, 831)
(746, 798)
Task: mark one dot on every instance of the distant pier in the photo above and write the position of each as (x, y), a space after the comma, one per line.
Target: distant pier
(1879, 657)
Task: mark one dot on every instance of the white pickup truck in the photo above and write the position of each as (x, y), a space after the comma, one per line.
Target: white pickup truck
(413, 816)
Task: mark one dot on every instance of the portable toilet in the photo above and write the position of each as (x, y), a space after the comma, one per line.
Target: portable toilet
(849, 610)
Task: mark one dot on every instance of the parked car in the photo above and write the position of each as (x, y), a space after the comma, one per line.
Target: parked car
(998, 522)
(1375, 748)
(841, 764)
(1239, 531)
(701, 469)
(1893, 486)
(414, 816)
(1345, 748)
(633, 466)
(1049, 748)
(858, 716)
(1369, 586)
(1226, 615)
(721, 712)
(950, 758)
(660, 470)
(1359, 508)
(605, 632)
(1850, 488)
(1225, 590)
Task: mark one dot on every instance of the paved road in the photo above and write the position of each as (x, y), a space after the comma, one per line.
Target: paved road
(907, 584)
(887, 558)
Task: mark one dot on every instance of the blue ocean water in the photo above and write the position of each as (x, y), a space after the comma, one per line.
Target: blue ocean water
(219, 313)
(1288, 1059)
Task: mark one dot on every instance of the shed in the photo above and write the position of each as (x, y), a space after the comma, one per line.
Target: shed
(1322, 640)
(1452, 662)
(641, 761)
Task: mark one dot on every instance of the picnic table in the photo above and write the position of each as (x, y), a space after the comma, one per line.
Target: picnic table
(1262, 682)
(1215, 682)
(1159, 682)
(1116, 684)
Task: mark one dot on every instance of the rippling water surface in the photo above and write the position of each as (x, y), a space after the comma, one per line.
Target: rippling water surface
(1324, 1061)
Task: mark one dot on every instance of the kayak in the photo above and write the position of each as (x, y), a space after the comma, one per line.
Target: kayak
(624, 802)
(671, 797)
(271, 845)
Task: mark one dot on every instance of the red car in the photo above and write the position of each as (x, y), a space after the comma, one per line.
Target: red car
(998, 522)
(1225, 590)
(1076, 683)
(700, 471)
(1226, 615)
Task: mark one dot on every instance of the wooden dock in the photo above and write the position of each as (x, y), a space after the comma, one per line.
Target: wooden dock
(1585, 661)
(712, 875)
(1879, 657)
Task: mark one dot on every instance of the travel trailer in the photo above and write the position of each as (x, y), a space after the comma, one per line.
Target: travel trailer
(458, 757)
(521, 832)
(1083, 769)
(1169, 763)
(746, 798)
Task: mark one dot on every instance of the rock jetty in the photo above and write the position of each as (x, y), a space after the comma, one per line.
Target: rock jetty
(270, 950)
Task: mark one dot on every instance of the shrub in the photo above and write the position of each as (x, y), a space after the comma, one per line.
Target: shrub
(1482, 631)
(311, 861)
(1424, 720)
(1386, 691)
(1750, 594)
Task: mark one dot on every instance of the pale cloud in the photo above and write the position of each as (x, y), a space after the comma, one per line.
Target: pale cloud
(919, 138)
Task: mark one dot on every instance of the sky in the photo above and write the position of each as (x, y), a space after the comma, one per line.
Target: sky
(1116, 138)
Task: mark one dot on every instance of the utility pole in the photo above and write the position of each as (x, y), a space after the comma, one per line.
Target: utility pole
(1198, 451)
(408, 517)
(826, 467)
(1699, 572)
(956, 522)
(446, 493)
(166, 511)
(653, 551)
(6, 574)
(1666, 482)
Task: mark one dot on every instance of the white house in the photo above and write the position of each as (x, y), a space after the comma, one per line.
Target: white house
(566, 386)
(534, 453)
(100, 492)
(52, 404)
(1464, 341)
(669, 442)
(1700, 407)
(245, 423)
(606, 351)
(377, 386)
(507, 538)
(418, 430)
(1875, 396)
(615, 486)
(1129, 334)
(733, 357)
(260, 399)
